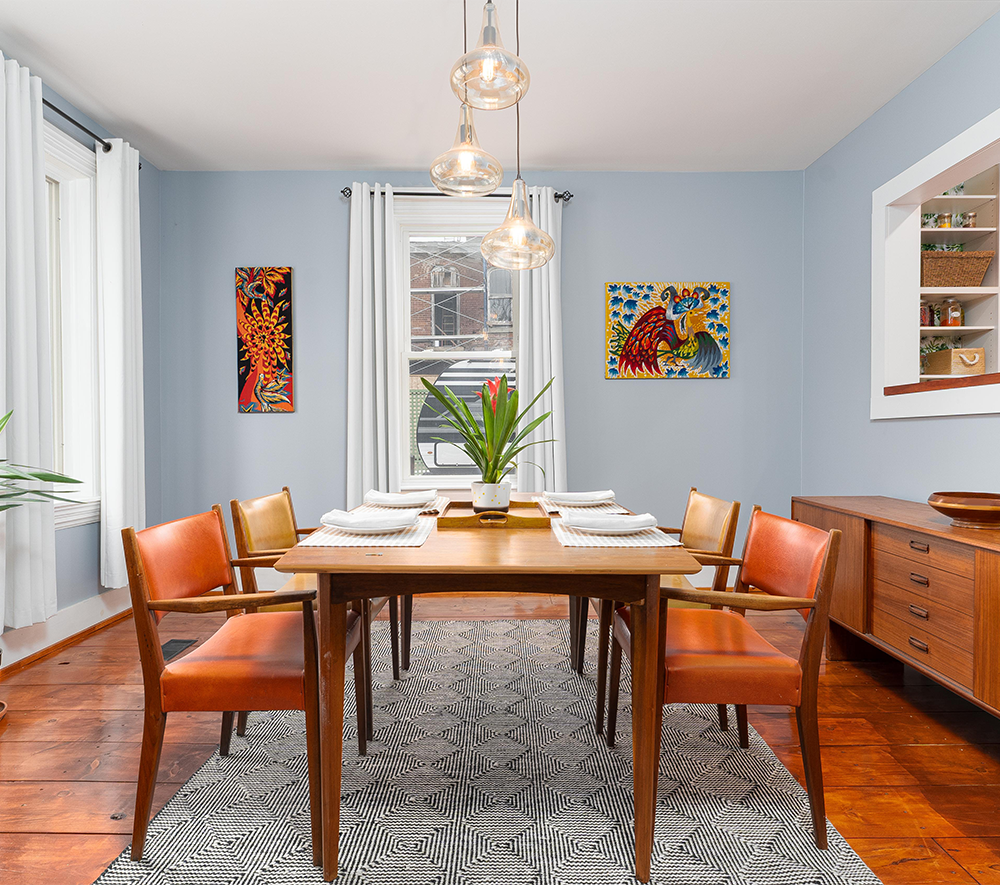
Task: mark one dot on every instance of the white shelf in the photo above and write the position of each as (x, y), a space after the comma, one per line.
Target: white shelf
(955, 234)
(959, 203)
(966, 295)
(946, 331)
(935, 377)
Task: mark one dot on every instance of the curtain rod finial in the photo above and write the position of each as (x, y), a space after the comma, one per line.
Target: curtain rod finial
(346, 192)
(565, 196)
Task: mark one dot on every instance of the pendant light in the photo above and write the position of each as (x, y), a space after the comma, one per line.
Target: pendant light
(466, 170)
(490, 77)
(518, 244)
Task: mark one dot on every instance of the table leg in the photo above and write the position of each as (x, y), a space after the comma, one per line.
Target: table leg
(647, 667)
(332, 633)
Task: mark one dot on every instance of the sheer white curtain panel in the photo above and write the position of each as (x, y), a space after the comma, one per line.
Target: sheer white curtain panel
(372, 389)
(540, 354)
(119, 297)
(29, 573)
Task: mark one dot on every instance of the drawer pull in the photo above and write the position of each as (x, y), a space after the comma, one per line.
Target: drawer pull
(920, 612)
(920, 579)
(923, 548)
(919, 646)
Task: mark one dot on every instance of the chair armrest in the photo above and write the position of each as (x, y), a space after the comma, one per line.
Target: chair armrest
(277, 551)
(201, 604)
(257, 561)
(755, 601)
(308, 531)
(711, 557)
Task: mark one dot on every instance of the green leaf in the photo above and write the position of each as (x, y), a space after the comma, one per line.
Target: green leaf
(5, 419)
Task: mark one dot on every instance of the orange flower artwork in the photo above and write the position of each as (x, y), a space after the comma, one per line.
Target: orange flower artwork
(264, 338)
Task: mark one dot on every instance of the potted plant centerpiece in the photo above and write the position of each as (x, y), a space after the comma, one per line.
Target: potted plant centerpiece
(495, 444)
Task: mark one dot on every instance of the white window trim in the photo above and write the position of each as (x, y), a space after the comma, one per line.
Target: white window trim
(422, 215)
(70, 515)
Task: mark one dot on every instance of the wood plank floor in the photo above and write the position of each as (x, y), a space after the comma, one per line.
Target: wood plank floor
(912, 772)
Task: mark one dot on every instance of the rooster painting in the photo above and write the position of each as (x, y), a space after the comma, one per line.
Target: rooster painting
(685, 335)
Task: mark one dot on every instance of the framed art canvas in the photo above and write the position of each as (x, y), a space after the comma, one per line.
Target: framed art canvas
(667, 330)
(264, 339)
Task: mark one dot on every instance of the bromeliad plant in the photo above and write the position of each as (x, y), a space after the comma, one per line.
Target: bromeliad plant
(12, 493)
(495, 444)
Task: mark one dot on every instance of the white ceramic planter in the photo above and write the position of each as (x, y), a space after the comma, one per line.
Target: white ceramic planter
(490, 496)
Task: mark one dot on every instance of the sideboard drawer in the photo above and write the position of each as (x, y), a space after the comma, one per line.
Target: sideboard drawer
(946, 623)
(949, 660)
(934, 552)
(945, 588)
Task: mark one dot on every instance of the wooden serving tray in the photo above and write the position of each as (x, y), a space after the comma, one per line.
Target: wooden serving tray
(522, 515)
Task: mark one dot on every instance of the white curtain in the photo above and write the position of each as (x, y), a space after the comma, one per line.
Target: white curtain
(539, 355)
(372, 446)
(29, 575)
(119, 296)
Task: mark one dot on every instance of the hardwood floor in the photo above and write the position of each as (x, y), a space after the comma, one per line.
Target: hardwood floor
(912, 772)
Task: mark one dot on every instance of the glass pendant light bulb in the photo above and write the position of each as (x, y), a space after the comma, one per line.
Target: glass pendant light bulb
(489, 77)
(518, 244)
(466, 170)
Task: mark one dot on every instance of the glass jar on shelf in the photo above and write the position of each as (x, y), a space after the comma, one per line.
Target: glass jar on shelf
(944, 219)
(926, 314)
(952, 313)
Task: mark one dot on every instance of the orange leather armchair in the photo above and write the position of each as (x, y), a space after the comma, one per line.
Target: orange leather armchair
(259, 661)
(715, 656)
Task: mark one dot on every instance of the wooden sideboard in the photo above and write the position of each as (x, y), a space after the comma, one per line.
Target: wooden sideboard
(914, 586)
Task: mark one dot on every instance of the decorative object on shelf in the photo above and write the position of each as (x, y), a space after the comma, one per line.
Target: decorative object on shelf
(954, 269)
(970, 219)
(926, 314)
(466, 170)
(667, 330)
(942, 247)
(957, 361)
(956, 191)
(929, 219)
(490, 77)
(932, 344)
(968, 510)
(264, 338)
(944, 219)
(494, 445)
(952, 313)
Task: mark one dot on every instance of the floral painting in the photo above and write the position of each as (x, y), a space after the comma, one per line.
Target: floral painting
(264, 338)
(667, 330)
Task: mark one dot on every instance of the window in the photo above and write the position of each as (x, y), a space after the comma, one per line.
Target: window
(458, 321)
(70, 172)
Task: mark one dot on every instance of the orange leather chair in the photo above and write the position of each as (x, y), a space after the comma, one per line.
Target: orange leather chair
(260, 661)
(715, 656)
(266, 528)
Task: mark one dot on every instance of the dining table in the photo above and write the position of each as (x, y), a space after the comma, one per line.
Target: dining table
(491, 559)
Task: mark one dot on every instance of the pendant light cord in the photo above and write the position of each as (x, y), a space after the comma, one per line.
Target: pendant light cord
(517, 52)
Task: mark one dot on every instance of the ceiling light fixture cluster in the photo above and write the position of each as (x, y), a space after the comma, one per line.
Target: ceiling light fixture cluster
(491, 78)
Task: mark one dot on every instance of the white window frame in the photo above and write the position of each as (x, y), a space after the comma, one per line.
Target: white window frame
(429, 216)
(74, 168)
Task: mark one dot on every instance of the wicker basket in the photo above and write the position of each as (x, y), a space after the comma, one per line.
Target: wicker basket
(954, 269)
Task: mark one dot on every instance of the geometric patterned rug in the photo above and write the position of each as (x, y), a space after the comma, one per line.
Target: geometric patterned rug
(485, 768)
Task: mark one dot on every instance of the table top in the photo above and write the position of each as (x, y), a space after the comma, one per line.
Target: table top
(488, 551)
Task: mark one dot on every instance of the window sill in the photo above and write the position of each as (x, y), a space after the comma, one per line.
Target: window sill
(69, 515)
(943, 384)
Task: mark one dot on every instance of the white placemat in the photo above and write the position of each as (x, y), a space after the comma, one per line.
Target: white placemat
(570, 537)
(436, 506)
(414, 536)
(604, 507)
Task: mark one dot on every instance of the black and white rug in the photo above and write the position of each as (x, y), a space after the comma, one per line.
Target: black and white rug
(485, 768)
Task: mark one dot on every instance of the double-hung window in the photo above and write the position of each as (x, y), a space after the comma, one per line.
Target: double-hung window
(70, 180)
(458, 325)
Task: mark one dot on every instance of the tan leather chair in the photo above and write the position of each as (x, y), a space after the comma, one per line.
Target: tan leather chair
(708, 531)
(265, 529)
(715, 656)
(260, 661)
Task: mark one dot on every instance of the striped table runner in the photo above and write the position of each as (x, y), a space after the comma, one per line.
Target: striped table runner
(603, 507)
(570, 537)
(414, 536)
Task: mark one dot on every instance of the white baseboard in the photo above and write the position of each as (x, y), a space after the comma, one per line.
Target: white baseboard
(25, 641)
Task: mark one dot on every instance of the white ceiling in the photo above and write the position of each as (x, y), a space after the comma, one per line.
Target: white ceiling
(363, 84)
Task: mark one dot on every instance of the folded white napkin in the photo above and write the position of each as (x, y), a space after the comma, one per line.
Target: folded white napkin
(406, 499)
(343, 519)
(609, 521)
(581, 497)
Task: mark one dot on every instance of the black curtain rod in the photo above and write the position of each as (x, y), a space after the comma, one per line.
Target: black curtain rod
(65, 116)
(347, 192)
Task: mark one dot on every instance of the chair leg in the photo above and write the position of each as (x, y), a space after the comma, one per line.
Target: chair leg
(603, 638)
(574, 629)
(394, 634)
(149, 762)
(241, 723)
(407, 630)
(615, 681)
(361, 697)
(811, 762)
(723, 717)
(581, 633)
(310, 697)
(742, 726)
(366, 642)
(227, 733)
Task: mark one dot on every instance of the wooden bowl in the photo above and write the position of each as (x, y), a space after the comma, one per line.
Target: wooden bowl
(968, 510)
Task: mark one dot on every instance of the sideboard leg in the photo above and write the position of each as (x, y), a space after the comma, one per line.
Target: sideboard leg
(843, 645)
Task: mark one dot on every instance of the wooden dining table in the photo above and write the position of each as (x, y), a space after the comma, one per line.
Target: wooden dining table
(485, 560)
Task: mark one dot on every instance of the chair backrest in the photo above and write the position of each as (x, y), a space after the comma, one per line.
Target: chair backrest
(709, 523)
(265, 523)
(180, 559)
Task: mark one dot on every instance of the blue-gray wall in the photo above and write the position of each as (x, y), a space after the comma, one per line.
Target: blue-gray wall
(649, 440)
(843, 451)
